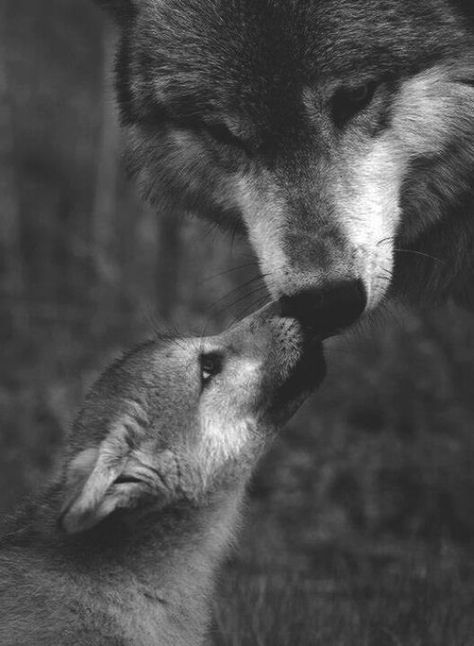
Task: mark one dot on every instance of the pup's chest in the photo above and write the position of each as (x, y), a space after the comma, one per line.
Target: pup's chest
(151, 623)
(141, 623)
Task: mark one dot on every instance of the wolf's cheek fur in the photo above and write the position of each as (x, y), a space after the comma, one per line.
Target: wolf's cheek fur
(366, 196)
(433, 120)
(165, 161)
(176, 171)
(263, 212)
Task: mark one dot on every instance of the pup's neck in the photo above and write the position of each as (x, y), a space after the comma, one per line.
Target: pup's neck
(169, 563)
(174, 552)
(159, 570)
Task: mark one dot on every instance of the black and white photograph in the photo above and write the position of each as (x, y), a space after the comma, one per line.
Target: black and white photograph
(237, 323)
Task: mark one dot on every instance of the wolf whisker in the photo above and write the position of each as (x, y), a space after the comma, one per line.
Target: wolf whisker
(226, 272)
(257, 290)
(420, 253)
(255, 305)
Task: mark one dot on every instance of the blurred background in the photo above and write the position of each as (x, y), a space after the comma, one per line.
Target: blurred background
(361, 520)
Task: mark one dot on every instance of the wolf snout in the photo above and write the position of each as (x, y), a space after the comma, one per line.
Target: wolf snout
(326, 311)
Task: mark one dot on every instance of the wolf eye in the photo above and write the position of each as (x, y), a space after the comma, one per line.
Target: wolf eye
(222, 134)
(211, 365)
(347, 102)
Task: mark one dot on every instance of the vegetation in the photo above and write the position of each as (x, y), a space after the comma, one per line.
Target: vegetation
(361, 519)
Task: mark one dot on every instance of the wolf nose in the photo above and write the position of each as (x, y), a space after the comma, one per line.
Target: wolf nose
(326, 311)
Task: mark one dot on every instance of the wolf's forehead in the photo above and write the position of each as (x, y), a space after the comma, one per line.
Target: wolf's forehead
(280, 40)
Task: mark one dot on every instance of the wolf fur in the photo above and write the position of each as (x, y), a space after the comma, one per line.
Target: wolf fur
(338, 134)
(123, 548)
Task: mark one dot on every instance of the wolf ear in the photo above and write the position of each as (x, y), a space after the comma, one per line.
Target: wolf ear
(114, 476)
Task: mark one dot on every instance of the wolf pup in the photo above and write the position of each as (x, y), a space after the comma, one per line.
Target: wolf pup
(123, 548)
(338, 134)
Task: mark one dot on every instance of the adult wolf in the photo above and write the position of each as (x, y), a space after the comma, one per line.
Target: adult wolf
(338, 134)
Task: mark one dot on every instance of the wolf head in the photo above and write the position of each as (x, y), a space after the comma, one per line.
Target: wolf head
(337, 134)
(179, 420)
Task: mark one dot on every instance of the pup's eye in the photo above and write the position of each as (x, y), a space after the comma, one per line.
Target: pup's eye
(211, 364)
(347, 102)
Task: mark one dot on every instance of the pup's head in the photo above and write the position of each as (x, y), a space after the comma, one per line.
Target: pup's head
(332, 132)
(178, 419)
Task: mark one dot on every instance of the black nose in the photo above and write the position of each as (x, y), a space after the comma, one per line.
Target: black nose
(329, 310)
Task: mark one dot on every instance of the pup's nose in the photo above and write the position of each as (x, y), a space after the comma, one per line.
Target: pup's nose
(327, 311)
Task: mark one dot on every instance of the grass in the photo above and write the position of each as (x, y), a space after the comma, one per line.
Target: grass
(354, 591)
(408, 608)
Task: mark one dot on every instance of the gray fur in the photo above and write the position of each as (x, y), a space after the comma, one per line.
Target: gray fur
(212, 91)
(123, 548)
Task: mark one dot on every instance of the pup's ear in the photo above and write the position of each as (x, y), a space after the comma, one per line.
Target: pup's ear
(121, 10)
(114, 476)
